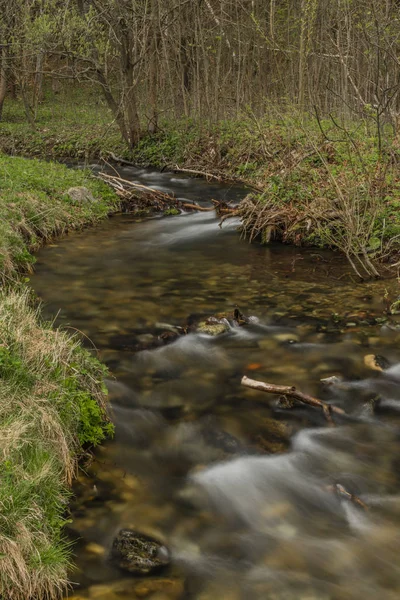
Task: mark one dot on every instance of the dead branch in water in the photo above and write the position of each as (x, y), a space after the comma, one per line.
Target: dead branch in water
(341, 492)
(152, 198)
(120, 160)
(217, 177)
(118, 183)
(232, 213)
(292, 392)
(190, 206)
(198, 173)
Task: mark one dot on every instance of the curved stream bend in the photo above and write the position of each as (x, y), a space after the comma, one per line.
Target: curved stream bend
(239, 490)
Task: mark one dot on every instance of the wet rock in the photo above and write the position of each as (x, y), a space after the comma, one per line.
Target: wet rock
(289, 338)
(219, 323)
(218, 438)
(376, 362)
(212, 327)
(95, 549)
(167, 337)
(138, 553)
(172, 588)
(273, 437)
(81, 195)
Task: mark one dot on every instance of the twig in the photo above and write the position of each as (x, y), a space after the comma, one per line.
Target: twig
(120, 160)
(196, 172)
(197, 207)
(120, 183)
(292, 392)
(233, 213)
(341, 492)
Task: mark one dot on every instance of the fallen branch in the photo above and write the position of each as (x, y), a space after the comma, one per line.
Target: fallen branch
(292, 392)
(232, 213)
(197, 207)
(199, 173)
(341, 492)
(121, 160)
(221, 178)
(120, 183)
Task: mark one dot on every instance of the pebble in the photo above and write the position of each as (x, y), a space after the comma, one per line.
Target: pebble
(96, 549)
(286, 337)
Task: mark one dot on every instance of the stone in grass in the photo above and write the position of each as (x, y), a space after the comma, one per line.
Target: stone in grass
(137, 553)
(81, 195)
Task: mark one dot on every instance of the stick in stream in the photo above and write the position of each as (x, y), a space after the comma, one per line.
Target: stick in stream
(119, 183)
(221, 178)
(292, 392)
(200, 173)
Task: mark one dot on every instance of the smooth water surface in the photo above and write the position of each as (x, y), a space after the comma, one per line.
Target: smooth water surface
(239, 487)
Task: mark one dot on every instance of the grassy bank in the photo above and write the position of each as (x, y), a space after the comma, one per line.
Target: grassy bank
(35, 206)
(322, 182)
(52, 394)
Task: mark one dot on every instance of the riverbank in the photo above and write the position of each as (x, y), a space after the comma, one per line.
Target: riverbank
(52, 393)
(318, 182)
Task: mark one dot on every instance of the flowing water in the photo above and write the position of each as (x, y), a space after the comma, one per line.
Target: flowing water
(240, 486)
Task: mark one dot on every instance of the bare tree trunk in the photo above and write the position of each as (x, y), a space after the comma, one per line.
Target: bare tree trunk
(38, 83)
(3, 79)
(154, 67)
(112, 104)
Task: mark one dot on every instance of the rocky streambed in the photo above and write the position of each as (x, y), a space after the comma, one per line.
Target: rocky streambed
(228, 493)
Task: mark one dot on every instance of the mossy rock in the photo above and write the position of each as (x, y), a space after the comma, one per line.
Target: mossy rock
(138, 553)
(211, 327)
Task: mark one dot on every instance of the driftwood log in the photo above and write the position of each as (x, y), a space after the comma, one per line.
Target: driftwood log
(285, 390)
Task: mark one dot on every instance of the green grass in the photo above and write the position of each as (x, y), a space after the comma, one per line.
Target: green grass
(311, 171)
(52, 393)
(52, 400)
(69, 124)
(34, 207)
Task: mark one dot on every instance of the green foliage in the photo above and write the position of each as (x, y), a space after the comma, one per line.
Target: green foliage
(171, 211)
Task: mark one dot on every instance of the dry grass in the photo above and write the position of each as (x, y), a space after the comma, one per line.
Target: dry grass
(46, 384)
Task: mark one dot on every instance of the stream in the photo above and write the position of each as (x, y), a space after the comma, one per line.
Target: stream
(241, 487)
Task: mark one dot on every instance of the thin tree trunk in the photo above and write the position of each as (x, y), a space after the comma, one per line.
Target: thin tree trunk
(3, 79)
(112, 104)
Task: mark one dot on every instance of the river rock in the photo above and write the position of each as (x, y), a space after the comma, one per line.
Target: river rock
(211, 327)
(138, 553)
(81, 195)
(219, 438)
(376, 362)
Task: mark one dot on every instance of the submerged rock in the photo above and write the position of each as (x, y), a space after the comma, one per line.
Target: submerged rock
(138, 553)
(219, 438)
(376, 362)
